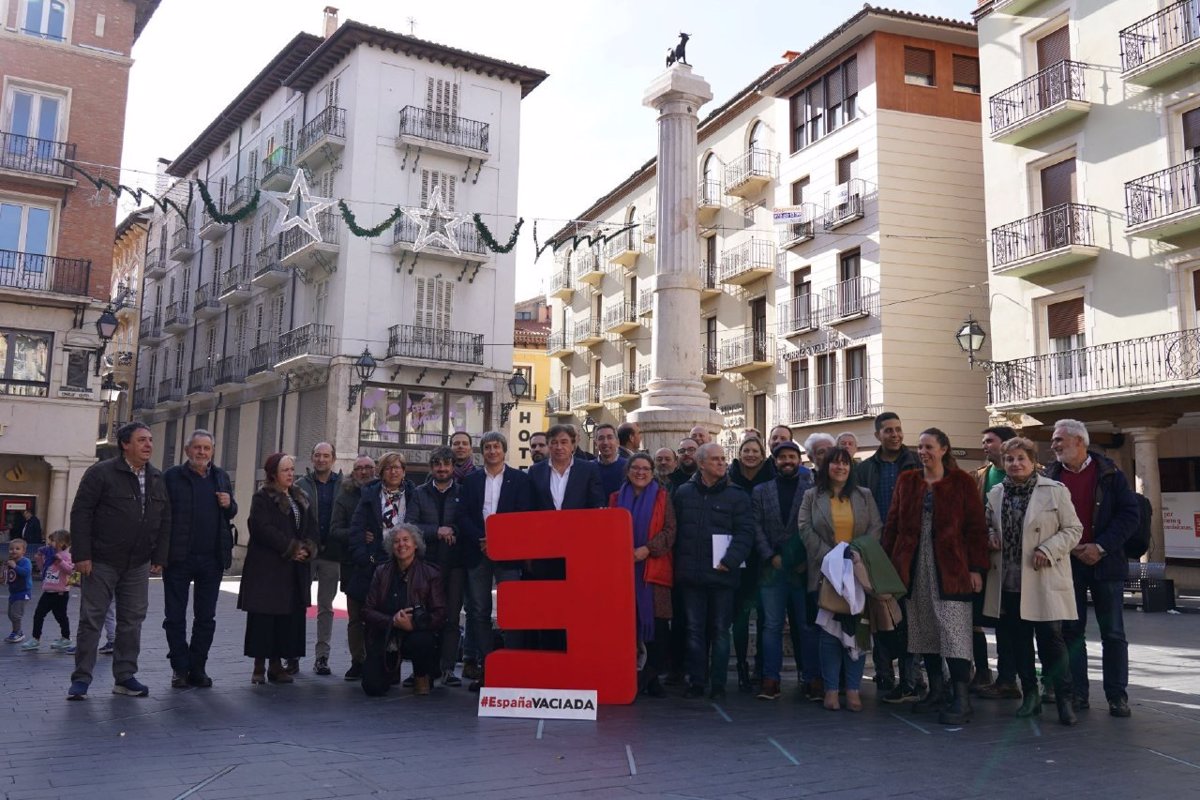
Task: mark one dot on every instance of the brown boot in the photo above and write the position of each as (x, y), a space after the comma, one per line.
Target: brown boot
(770, 689)
(421, 685)
(277, 673)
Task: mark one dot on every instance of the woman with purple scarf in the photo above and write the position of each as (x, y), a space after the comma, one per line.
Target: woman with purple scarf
(649, 504)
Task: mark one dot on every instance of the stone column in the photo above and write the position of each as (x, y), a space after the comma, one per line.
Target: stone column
(57, 514)
(675, 399)
(1145, 456)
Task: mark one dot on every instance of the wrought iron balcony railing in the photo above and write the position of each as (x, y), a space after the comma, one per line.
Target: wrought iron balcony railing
(435, 344)
(620, 314)
(29, 154)
(330, 122)
(1163, 193)
(755, 163)
(1044, 232)
(583, 394)
(1037, 93)
(557, 404)
(240, 193)
(312, 339)
(232, 369)
(560, 280)
(844, 400)
(848, 299)
(845, 203)
(618, 385)
(467, 237)
(263, 357)
(205, 298)
(144, 397)
(438, 126)
(292, 240)
(170, 390)
(1159, 34)
(201, 379)
(744, 260)
(1131, 366)
(38, 273)
(798, 314)
(181, 241)
(279, 163)
(557, 342)
(709, 193)
(708, 360)
(587, 329)
(746, 349)
(236, 279)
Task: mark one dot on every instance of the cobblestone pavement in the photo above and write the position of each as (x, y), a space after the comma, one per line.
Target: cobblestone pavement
(321, 737)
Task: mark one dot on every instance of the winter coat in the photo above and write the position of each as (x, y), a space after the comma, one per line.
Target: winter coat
(110, 523)
(701, 512)
(1115, 518)
(816, 525)
(339, 525)
(364, 556)
(424, 589)
(866, 473)
(423, 512)
(307, 483)
(273, 582)
(179, 490)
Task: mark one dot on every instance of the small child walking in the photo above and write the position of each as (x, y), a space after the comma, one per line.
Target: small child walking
(56, 574)
(18, 575)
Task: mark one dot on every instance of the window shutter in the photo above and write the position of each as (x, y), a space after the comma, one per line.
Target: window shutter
(1058, 181)
(444, 302)
(834, 88)
(1065, 318)
(1053, 48)
(1191, 132)
(847, 167)
(449, 183)
(966, 71)
(1196, 291)
(429, 106)
(422, 314)
(918, 62)
(454, 100)
(850, 71)
(424, 188)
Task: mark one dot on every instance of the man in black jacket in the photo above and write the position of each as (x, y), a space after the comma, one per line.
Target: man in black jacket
(321, 484)
(339, 537)
(120, 531)
(201, 549)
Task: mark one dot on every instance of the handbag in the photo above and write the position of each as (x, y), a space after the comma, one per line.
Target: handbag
(830, 600)
(659, 570)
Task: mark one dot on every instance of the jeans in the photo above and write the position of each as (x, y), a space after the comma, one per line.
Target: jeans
(709, 613)
(1107, 597)
(355, 631)
(326, 573)
(834, 658)
(480, 578)
(203, 572)
(1050, 645)
(777, 598)
(130, 588)
(455, 582)
(382, 667)
(746, 602)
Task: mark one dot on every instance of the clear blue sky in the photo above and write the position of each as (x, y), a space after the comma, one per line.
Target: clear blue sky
(583, 130)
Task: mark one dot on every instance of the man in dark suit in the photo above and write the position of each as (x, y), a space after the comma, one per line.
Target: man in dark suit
(564, 482)
(495, 489)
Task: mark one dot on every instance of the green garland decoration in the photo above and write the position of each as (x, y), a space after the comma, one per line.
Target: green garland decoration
(489, 241)
(226, 219)
(163, 203)
(368, 233)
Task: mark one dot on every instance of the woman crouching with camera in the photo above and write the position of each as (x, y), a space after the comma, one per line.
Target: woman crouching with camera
(405, 607)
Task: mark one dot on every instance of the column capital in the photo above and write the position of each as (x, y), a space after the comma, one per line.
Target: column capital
(678, 83)
(1146, 424)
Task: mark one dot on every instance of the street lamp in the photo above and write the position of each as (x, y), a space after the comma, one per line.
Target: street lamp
(106, 327)
(589, 425)
(364, 367)
(518, 385)
(971, 337)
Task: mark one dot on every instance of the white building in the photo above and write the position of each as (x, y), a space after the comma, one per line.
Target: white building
(255, 336)
(874, 132)
(1091, 158)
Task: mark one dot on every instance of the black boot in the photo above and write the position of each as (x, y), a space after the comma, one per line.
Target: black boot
(1066, 706)
(1031, 702)
(935, 697)
(654, 688)
(744, 684)
(958, 710)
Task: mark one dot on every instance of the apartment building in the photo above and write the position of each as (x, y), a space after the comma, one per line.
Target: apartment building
(276, 341)
(528, 395)
(871, 137)
(64, 74)
(1091, 153)
(118, 368)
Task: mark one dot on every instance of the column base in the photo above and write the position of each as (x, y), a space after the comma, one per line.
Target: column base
(664, 427)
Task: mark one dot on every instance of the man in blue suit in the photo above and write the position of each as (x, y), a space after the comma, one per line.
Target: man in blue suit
(495, 489)
(563, 481)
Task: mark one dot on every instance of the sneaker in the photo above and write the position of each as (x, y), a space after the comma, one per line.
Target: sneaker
(131, 687)
(321, 666)
(450, 679)
(179, 679)
(106, 649)
(69, 650)
(471, 670)
(354, 673)
(15, 638)
(32, 644)
(770, 689)
(408, 682)
(60, 644)
(901, 694)
(78, 691)
(1119, 707)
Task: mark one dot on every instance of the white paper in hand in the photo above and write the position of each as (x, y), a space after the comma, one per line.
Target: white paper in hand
(720, 546)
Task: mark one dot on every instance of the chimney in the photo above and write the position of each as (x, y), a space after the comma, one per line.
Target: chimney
(161, 180)
(331, 20)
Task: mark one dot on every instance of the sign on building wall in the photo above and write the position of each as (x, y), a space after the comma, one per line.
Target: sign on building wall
(525, 420)
(1181, 524)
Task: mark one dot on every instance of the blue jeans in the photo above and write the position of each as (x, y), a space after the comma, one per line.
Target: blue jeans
(709, 613)
(479, 599)
(1107, 597)
(205, 574)
(834, 658)
(778, 597)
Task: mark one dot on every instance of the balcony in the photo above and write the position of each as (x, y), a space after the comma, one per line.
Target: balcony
(308, 345)
(444, 132)
(618, 388)
(322, 138)
(261, 364)
(201, 380)
(150, 330)
(708, 363)
(587, 332)
(558, 345)
(641, 381)
(435, 344)
(41, 159)
(205, 304)
(849, 399)
(169, 391)
(1131, 369)
(751, 172)
(710, 287)
(624, 249)
(268, 272)
(1042, 102)
(588, 268)
(240, 194)
(557, 405)
(1161, 46)
(645, 304)
(125, 303)
(1166, 203)
(621, 317)
(709, 201)
(746, 353)
(300, 251)
(32, 272)
(747, 262)
(144, 398)
(844, 204)
(231, 370)
(585, 397)
(849, 300)
(210, 229)
(470, 246)
(561, 284)
(183, 246)
(649, 227)
(177, 319)
(155, 266)
(797, 233)
(236, 285)
(800, 314)
(1047, 240)
(278, 169)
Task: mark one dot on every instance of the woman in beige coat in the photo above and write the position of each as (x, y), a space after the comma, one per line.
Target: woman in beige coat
(1032, 526)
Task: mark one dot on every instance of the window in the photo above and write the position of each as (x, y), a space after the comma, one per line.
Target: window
(25, 363)
(759, 416)
(441, 97)
(225, 151)
(1065, 331)
(918, 66)
(1191, 133)
(826, 385)
(710, 188)
(1195, 299)
(856, 381)
(256, 122)
(1058, 184)
(328, 95)
(46, 19)
(849, 288)
(77, 369)
(434, 181)
(419, 416)
(435, 299)
(966, 74)
(33, 124)
(824, 105)
(24, 241)
(847, 167)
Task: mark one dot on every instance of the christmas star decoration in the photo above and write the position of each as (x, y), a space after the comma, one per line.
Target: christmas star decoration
(435, 226)
(298, 208)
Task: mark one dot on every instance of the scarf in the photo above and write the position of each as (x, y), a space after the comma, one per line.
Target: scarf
(461, 471)
(393, 507)
(1012, 527)
(641, 508)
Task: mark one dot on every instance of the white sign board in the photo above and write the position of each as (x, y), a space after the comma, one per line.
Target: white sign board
(789, 215)
(1181, 524)
(538, 703)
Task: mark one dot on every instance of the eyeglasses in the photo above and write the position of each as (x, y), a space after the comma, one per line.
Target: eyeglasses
(687, 449)
(639, 469)
(391, 467)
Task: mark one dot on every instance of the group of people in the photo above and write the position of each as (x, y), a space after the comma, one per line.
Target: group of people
(902, 555)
